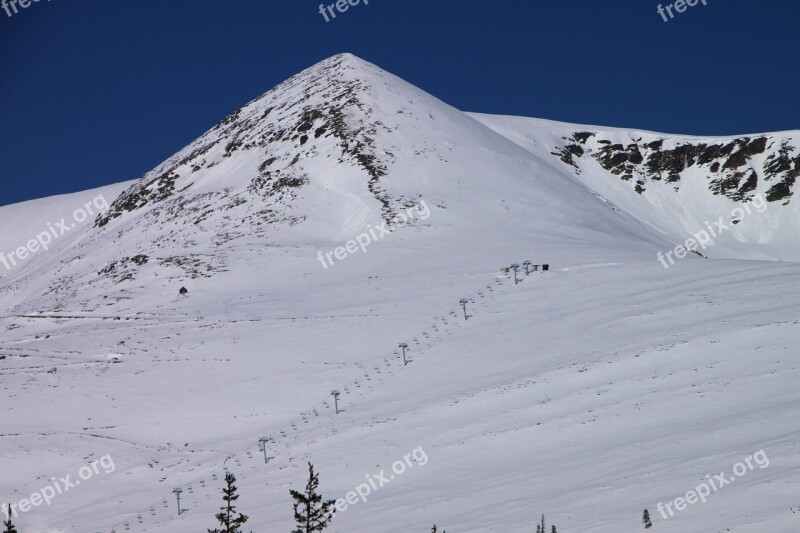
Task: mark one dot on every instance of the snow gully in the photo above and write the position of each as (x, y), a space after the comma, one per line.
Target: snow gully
(704, 239)
(363, 240)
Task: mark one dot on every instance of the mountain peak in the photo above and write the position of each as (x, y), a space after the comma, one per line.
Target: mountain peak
(269, 135)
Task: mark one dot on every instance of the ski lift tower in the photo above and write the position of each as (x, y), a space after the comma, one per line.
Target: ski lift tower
(403, 346)
(263, 442)
(177, 493)
(527, 265)
(464, 303)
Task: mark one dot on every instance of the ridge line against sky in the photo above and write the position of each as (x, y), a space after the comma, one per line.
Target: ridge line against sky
(99, 93)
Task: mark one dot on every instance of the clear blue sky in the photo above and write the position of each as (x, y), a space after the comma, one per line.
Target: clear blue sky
(94, 92)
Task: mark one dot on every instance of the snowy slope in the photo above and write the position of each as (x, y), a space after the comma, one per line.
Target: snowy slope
(24, 221)
(587, 393)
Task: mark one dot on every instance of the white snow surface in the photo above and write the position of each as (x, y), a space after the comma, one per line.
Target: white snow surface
(587, 393)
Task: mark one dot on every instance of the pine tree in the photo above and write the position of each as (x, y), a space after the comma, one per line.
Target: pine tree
(226, 516)
(310, 512)
(542, 528)
(8, 525)
(646, 519)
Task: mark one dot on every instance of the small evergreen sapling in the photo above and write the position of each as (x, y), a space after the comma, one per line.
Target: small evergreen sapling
(646, 519)
(310, 512)
(9, 527)
(542, 528)
(229, 523)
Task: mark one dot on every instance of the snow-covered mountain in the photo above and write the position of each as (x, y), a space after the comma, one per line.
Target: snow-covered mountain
(587, 393)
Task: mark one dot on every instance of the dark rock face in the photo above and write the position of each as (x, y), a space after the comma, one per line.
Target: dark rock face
(731, 166)
(123, 269)
(780, 164)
